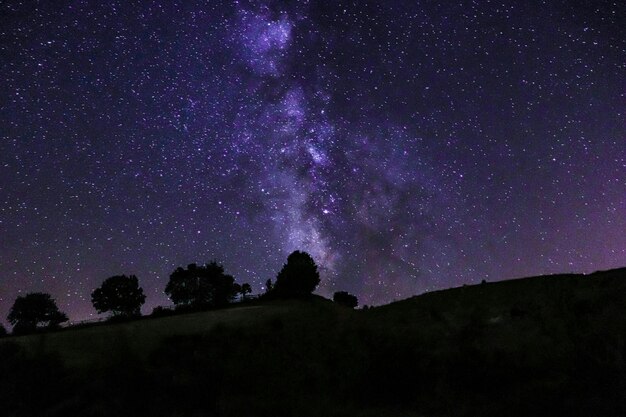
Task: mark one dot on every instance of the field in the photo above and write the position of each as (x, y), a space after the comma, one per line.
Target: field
(551, 345)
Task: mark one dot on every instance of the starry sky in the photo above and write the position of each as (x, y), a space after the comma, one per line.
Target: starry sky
(407, 145)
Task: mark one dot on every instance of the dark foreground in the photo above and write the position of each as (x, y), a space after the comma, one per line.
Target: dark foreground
(542, 346)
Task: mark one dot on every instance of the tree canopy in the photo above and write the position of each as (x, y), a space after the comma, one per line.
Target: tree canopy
(201, 286)
(35, 310)
(245, 290)
(345, 299)
(119, 294)
(298, 277)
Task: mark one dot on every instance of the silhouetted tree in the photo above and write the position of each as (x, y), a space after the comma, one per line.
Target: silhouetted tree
(160, 311)
(35, 310)
(268, 285)
(120, 294)
(3, 331)
(298, 276)
(237, 288)
(245, 290)
(201, 286)
(345, 299)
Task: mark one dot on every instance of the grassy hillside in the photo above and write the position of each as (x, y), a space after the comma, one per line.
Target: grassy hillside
(537, 346)
(96, 345)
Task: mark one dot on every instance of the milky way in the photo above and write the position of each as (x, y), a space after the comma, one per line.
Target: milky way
(408, 146)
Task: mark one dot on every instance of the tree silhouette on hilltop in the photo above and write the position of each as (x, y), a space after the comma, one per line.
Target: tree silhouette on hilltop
(298, 277)
(201, 286)
(345, 299)
(35, 310)
(121, 295)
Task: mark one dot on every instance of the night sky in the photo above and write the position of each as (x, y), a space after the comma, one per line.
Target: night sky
(407, 145)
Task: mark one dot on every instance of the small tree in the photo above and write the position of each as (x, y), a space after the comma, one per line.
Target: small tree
(236, 288)
(298, 277)
(345, 299)
(35, 310)
(245, 290)
(201, 286)
(3, 331)
(268, 286)
(121, 295)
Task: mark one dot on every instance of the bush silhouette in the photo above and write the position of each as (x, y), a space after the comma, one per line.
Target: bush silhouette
(121, 295)
(34, 310)
(201, 286)
(3, 331)
(345, 299)
(298, 277)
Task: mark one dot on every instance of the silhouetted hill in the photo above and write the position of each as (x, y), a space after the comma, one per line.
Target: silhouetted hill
(552, 345)
(503, 300)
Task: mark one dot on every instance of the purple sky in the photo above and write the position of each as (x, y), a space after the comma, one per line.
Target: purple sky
(408, 146)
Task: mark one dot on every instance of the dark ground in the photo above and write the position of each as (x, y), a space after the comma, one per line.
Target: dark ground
(531, 347)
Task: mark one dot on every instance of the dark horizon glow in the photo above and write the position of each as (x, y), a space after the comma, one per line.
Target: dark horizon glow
(408, 146)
